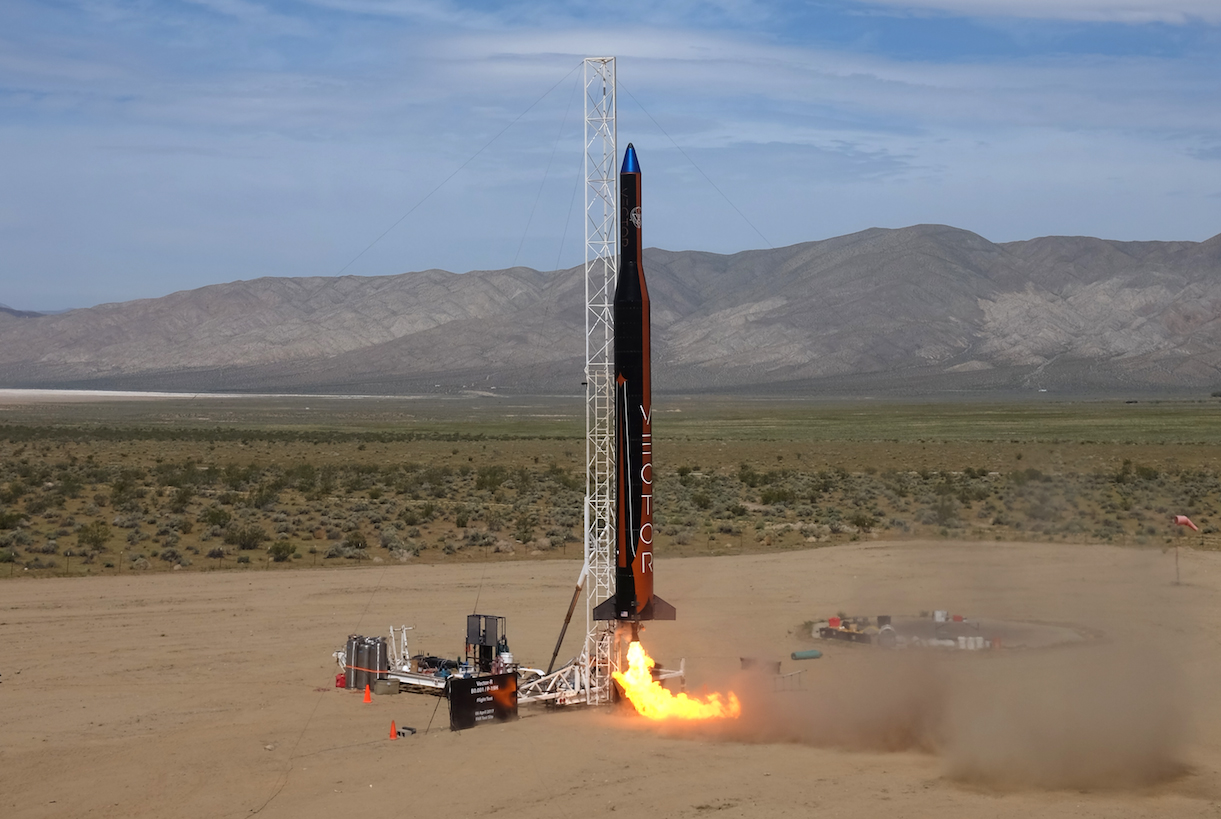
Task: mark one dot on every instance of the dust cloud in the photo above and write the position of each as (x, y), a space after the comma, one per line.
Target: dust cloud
(878, 703)
(1097, 717)
(1101, 718)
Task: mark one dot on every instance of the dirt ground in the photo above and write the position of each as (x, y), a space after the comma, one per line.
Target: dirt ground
(211, 694)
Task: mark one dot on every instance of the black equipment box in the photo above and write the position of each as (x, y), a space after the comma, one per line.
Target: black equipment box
(482, 700)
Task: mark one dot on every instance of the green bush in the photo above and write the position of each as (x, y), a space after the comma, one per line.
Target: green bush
(181, 498)
(281, 551)
(776, 494)
(215, 516)
(526, 522)
(863, 521)
(245, 538)
(491, 477)
(93, 535)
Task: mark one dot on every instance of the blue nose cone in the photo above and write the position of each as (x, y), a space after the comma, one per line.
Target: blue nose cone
(630, 165)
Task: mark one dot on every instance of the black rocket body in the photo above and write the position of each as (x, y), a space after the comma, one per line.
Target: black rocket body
(634, 598)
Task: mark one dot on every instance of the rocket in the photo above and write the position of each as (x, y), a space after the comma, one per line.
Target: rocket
(634, 599)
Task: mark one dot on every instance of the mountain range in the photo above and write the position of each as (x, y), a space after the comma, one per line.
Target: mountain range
(917, 310)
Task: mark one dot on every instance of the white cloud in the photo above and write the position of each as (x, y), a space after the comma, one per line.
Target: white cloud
(1176, 12)
(191, 142)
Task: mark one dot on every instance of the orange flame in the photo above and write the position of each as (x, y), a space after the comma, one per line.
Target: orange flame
(652, 701)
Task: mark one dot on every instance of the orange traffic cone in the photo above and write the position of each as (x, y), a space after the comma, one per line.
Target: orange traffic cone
(367, 697)
(394, 732)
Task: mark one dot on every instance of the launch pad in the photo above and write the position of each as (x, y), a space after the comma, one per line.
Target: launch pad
(947, 631)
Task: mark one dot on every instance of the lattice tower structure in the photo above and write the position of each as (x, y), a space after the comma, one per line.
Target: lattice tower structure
(601, 264)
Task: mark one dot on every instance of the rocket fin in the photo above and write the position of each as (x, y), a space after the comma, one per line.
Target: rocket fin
(606, 610)
(658, 609)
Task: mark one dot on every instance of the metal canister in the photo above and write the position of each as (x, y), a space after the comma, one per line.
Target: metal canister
(383, 659)
(363, 677)
(349, 661)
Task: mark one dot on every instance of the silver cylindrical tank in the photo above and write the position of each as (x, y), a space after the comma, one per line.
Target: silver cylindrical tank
(349, 661)
(363, 677)
(382, 664)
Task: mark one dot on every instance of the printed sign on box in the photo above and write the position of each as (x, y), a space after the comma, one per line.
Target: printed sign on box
(482, 700)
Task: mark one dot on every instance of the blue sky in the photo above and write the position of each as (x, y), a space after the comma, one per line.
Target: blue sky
(151, 146)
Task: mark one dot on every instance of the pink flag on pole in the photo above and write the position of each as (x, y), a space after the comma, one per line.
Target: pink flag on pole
(1183, 520)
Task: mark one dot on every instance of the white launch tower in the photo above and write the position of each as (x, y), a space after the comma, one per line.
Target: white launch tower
(587, 679)
(601, 264)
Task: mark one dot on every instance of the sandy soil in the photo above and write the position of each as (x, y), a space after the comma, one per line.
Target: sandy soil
(211, 694)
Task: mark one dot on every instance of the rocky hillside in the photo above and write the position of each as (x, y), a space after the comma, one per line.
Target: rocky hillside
(923, 309)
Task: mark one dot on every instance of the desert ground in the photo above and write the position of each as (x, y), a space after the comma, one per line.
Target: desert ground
(211, 694)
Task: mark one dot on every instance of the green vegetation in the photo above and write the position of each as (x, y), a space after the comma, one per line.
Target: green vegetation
(148, 490)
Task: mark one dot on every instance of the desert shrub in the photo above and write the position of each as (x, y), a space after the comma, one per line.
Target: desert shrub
(245, 538)
(264, 498)
(17, 537)
(13, 490)
(182, 497)
(243, 558)
(170, 555)
(776, 494)
(945, 510)
(216, 553)
(524, 528)
(490, 477)
(37, 504)
(356, 540)
(93, 535)
(215, 516)
(9, 520)
(563, 535)
(477, 537)
(863, 521)
(281, 551)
